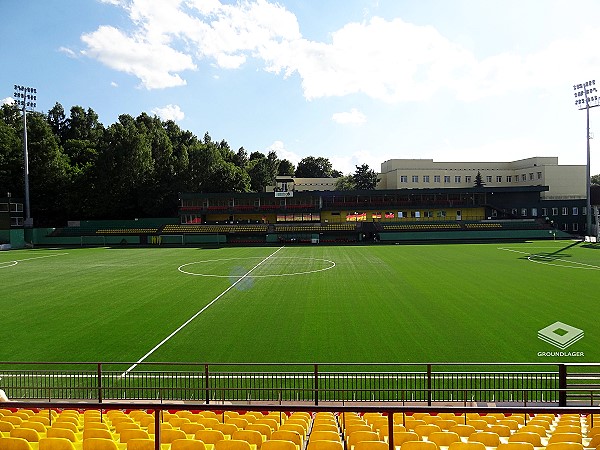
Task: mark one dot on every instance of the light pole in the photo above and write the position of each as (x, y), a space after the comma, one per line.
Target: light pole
(586, 97)
(26, 98)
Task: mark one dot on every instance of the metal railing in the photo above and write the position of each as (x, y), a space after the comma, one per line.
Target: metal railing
(309, 383)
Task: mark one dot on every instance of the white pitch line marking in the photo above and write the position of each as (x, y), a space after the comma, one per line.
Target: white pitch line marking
(156, 347)
(14, 262)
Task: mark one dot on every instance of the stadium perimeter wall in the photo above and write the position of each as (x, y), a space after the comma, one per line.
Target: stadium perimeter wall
(474, 235)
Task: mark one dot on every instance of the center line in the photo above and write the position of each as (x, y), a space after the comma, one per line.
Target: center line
(133, 366)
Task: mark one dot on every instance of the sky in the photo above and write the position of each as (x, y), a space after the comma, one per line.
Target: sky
(355, 81)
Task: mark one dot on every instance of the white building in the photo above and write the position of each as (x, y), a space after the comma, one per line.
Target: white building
(565, 182)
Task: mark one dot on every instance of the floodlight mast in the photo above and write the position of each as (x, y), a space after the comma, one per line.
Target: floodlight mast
(589, 92)
(26, 98)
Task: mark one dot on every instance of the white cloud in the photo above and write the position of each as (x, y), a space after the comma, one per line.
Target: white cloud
(67, 51)
(388, 60)
(346, 163)
(114, 84)
(7, 101)
(169, 112)
(352, 117)
(282, 153)
(155, 64)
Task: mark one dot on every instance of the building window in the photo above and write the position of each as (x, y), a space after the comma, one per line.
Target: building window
(575, 211)
(565, 210)
(555, 211)
(575, 226)
(446, 178)
(539, 175)
(584, 210)
(427, 213)
(457, 179)
(415, 178)
(494, 213)
(531, 175)
(509, 178)
(498, 178)
(467, 179)
(544, 212)
(436, 178)
(524, 212)
(425, 178)
(514, 211)
(441, 213)
(488, 178)
(534, 212)
(403, 179)
(565, 227)
(524, 177)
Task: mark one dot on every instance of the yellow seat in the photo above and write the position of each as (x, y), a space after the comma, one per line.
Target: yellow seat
(226, 428)
(99, 444)
(371, 445)
(466, 446)
(443, 438)
(140, 444)
(132, 433)
(360, 436)
(6, 428)
(515, 446)
(93, 433)
(446, 424)
(324, 445)
(324, 436)
(169, 435)
(209, 436)
(565, 437)
(426, 430)
(533, 429)
(512, 424)
(187, 444)
(487, 438)
(500, 430)
(14, 443)
(56, 443)
(63, 433)
(276, 444)
(564, 446)
(532, 438)
(177, 421)
(120, 426)
(28, 434)
(262, 428)
(464, 431)
(250, 436)
(294, 427)
(287, 435)
(239, 422)
(479, 424)
(233, 444)
(67, 426)
(419, 445)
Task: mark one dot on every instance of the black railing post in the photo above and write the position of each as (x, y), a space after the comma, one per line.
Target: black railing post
(99, 382)
(391, 430)
(157, 430)
(316, 385)
(206, 383)
(562, 385)
(428, 384)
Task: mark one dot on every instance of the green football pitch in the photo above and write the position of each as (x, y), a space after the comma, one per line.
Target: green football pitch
(327, 304)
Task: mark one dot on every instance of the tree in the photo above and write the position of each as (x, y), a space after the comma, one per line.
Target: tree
(345, 183)
(286, 168)
(11, 161)
(595, 179)
(364, 178)
(262, 170)
(479, 180)
(311, 167)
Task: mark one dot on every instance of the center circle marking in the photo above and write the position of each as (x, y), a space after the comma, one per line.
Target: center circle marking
(182, 268)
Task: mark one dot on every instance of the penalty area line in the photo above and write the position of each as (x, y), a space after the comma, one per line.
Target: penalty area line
(182, 326)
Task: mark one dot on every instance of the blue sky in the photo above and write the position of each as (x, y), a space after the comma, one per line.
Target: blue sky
(357, 81)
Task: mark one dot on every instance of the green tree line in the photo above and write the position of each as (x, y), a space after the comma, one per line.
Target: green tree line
(135, 167)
